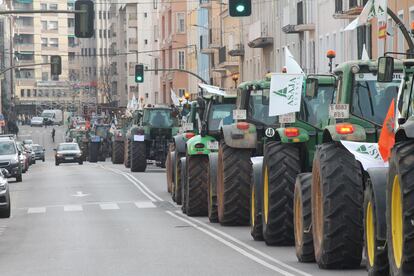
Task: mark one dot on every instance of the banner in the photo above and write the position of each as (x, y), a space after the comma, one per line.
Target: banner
(387, 137)
(212, 89)
(285, 93)
(366, 153)
(174, 98)
(292, 66)
(372, 9)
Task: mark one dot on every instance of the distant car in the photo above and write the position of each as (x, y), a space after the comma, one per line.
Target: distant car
(24, 157)
(32, 155)
(5, 205)
(68, 153)
(36, 121)
(27, 142)
(10, 159)
(39, 152)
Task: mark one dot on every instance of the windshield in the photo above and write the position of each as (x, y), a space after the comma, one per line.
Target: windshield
(316, 110)
(220, 114)
(68, 147)
(7, 148)
(371, 99)
(158, 118)
(47, 115)
(259, 109)
(37, 148)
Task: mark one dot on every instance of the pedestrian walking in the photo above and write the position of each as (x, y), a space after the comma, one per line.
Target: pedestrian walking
(53, 134)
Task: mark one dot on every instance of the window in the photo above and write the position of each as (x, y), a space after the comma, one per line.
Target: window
(53, 7)
(156, 65)
(22, 93)
(104, 33)
(71, 22)
(180, 22)
(55, 77)
(104, 15)
(181, 92)
(100, 14)
(145, 15)
(54, 42)
(28, 93)
(34, 92)
(71, 42)
(43, 6)
(52, 25)
(181, 60)
(145, 41)
(44, 41)
(44, 25)
(45, 59)
(390, 40)
(45, 76)
(100, 33)
(71, 56)
(71, 6)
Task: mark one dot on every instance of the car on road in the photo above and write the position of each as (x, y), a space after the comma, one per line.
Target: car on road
(24, 157)
(4, 195)
(32, 156)
(68, 153)
(36, 121)
(9, 158)
(39, 152)
(27, 141)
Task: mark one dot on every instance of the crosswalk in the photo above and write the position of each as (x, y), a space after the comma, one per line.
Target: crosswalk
(103, 206)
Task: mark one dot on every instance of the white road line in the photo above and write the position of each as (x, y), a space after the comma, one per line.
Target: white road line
(36, 210)
(72, 208)
(109, 206)
(264, 255)
(145, 187)
(232, 246)
(145, 204)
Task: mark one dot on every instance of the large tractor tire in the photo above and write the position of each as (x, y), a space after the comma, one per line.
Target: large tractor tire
(256, 225)
(302, 218)
(138, 157)
(212, 188)
(177, 185)
(400, 211)
(127, 154)
(281, 165)
(196, 199)
(170, 170)
(183, 179)
(375, 250)
(117, 152)
(93, 152)
(233, 185)
(337, 207)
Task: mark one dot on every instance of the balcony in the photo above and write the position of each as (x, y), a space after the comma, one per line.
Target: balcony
(237, 50)
(259, 36)
(25, 47)
(25, 29)
(205, 4)
(226, 63)
(348, 9)
(301, 24)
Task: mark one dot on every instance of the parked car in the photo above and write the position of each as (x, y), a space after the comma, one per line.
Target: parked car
(39, 152)
(5, 205)
(24, 157)
(27, 141)
(9, 158)
(36, 121)
(31, 152)
(68, 153)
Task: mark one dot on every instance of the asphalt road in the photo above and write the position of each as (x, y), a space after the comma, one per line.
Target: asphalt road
(100, 219)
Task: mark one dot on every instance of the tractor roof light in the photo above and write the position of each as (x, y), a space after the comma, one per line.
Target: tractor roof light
(331, 54)
(291, 132)
(189, 135)
(242, 125)
(187, 95)
(344, 128)
(355, 69)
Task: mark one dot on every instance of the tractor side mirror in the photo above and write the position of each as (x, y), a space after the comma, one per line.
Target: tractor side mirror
(312, 86)
(385, 69)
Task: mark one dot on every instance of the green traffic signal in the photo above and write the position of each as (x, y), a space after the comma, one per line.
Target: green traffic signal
(139, 73)
(238, 8)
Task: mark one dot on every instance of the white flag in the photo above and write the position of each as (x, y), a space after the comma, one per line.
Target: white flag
(212, 89)
(292, 66)
(285, 93)
(365, 55)
(366, 153)
(367, 14)
(381, 6)
(174, 98)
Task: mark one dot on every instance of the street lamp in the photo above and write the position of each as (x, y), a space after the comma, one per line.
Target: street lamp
(199, 26)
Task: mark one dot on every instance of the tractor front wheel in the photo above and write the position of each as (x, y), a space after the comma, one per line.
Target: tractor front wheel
(138, 157)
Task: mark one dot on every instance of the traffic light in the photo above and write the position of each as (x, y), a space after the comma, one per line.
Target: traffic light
(239, 8)
(139, 73)
(55, 65)
(84, 21)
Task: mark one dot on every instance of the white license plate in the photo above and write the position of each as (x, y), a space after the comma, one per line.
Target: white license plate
(289, 118)
(239, 114)
(212, 145)
(339, 111)
(139, 138)
(188, 127)
(69, 158)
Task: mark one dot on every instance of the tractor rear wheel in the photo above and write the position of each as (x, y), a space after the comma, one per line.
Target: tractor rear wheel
(117, 152)
(93, 152)
(127, 154)
(212, 188)
(281, 165)
(197, 181)
(400, 211)
(177, 186)
(138, 157)
(256, 226)
(183, 179)
(233, 185)
(302, 216)
(169, 173)
(337, 207)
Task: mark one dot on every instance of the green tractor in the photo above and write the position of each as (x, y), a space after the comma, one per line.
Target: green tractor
(189, 128)
(99, 143)
(81, 137)
(199, 166)
(150, 138)
(118, 138)
(334, 234)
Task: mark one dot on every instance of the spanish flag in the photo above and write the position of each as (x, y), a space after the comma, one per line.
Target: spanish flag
(387, 137)
(382, 31)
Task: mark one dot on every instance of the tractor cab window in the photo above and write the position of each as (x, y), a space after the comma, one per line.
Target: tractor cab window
(102, 130)
(259, 107)
(158, 118)
(219, 115)
(371, 99)
(315, 110)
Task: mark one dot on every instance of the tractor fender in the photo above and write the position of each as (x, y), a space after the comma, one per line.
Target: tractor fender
(330, 134)
(405, 131)
(240, 138)
(378, 177)
(204, 140)
(302, 137)
(179, 141)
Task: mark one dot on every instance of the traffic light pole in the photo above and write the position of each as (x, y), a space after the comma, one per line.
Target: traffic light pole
(178, 70)
(20, 66)
(38, 11)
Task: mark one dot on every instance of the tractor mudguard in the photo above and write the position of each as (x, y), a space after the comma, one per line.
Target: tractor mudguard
(302, 137)
(199, 141)
(330, 133)
(378, 177)
(180, 141)
(240, 138)
(406, 130)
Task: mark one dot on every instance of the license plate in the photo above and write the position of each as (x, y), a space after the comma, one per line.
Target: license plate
(212, 145)
(188, 127)
(289, 118)
(139, 138)
(69, 158)
(239, 114)
(339, 111)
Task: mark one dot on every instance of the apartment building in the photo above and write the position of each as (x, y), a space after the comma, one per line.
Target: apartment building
(35, 38)
(5, 58)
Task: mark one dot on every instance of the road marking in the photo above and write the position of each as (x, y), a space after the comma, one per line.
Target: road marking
(72, 208)
(264, 255)
(80, 194)
(109, 206)
(232, 246)
(145, 187)
(145, 204)
(36, 210)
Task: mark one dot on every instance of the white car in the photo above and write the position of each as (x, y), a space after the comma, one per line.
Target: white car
(36, 121)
